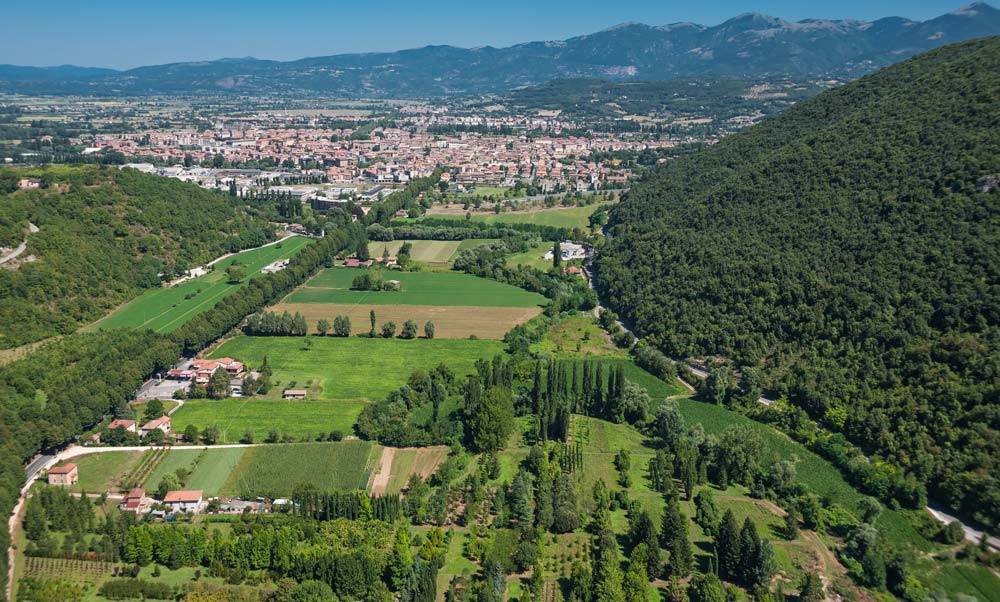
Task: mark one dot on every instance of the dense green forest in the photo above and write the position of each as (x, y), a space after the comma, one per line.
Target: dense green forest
(104, 234)
(848, 251)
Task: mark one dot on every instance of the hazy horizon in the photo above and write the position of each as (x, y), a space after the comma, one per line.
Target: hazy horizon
(191, 32)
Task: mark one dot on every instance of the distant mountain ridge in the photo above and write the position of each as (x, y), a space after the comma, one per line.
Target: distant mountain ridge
(749, 45)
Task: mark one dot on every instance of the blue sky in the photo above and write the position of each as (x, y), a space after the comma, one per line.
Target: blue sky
(123, 33)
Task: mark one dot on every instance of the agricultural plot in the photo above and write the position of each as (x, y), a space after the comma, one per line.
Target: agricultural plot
(351, 368)
(460, 305)
(87, 571)
(426, 251)
(209, 468)
(449, 322)
(275, 470)
(236, 416)
(166, 309)
(559, 217)
(395, 466)
(418, 288)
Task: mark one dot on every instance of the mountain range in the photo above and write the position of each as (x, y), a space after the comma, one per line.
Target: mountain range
(751, 45)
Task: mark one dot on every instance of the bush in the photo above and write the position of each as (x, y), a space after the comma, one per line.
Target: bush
(409, 330)
(389, 329)
(953, 533)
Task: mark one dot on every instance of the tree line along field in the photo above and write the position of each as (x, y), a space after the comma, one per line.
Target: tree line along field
(450, 289)
(460, 305)
(559, 217)
(427, 251)
(166, 309)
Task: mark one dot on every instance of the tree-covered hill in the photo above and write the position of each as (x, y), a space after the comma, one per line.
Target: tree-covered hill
(850, 250)
(103, 235)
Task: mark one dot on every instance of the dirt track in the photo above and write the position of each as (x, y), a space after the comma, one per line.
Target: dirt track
(381, 479)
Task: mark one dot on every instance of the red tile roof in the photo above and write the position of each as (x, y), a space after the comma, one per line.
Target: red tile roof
(65, 469)
(177, 497)
(155, 423)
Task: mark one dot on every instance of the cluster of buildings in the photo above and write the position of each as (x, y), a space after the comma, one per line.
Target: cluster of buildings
(201, 371)
(184, 501)
(498, 153)
(161, 424)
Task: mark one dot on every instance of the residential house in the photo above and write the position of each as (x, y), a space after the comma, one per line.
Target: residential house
(129, 425)
(136, 501)
(184, 501)
(204, 369)
(159, 424)
(64, 475)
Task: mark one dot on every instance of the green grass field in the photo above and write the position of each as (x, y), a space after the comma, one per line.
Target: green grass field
(352, 368)
(296, 418)
(275, 470)
(166, 309)
(533, 257)
(210, 468)
(418, 288)
(426, 251)
(562, 217)
(102, 472)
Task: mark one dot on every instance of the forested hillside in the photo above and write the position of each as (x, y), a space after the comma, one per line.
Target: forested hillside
(849, 250)
(103, 235)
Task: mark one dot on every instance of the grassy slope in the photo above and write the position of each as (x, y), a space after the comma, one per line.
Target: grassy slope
(418, 288)
(166, 309)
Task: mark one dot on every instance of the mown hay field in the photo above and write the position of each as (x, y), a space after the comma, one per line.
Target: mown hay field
(449, 322)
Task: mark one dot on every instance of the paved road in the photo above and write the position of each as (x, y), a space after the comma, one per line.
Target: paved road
(32, 228)
(971, 533)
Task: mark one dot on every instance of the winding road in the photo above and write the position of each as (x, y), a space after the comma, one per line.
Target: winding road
(32, 228)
